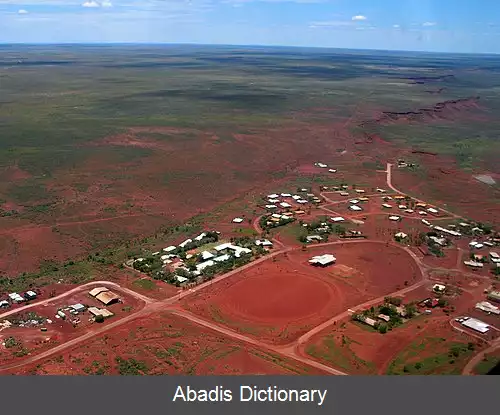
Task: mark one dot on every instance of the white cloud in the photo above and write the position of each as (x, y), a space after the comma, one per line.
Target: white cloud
(91, 4)
(358, 18)
(396, 26)
(22, 11)
(106, 4)
(429, 24)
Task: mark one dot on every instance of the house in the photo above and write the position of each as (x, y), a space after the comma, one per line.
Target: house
(263, 242)
(332, 170)
(439, 288)
(205, 255)
(30, 295)
(371, 322)
(181, 279)
(337, 219)
(272, 196)
(429, 302)
(356, 208)
(384, 317)
(474, 264)
(426, 222)
(354, 201)
(200, 236)
(170, 248)
(285, 205)
(464, 225)
(237, 220)
(61, 314)
(478, 258)
(364, 199)
(273, 200)
(422, 213)
(323, 260)
(286, 195)
(107, 297)
(96, 291)
(494, 296)
(16, 298)
(403, 207)
(222, 258)
(312, 238)
(380, 190)
(488, 308)
(447, 231)
(494, 256)
(439, 241)
(401, 235)
(360, 191)
(344, 194)
(476, 325)
(409, 211)
(200, 267)
(300, 212)
(387, 206)
(394, 218)
(296, 197)
(302, 201)
(399, 197)
(488, 243)
(421, 205)
(401, 311)
(432, 211)
(4, 304)
(322, 165)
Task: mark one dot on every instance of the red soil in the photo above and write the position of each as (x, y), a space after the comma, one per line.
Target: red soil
(167, 344)
(279, 301)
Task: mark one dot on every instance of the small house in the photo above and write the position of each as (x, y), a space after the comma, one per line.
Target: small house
(30, 295)
(384, 317)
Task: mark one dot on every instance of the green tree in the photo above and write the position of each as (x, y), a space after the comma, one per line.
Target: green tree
(99, 318)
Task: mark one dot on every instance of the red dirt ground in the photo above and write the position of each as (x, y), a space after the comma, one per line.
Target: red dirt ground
(167, 344)
(278, 301)
(364, 351)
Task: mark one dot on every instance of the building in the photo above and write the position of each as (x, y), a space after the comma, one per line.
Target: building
(4, 304)
(356, 208)
(433, 211)
(439, 288)
(272, 196)
(100, 312)
(107, 297)
(263, 242)
(77, 308)
(354, 201)
(332, 170)
(401, 235)
(448, 231)
(494, 256)
(30, 295)
(200, 236)
(16, 298)
(181, 279)
(312, 238)
(371, 322)
(476, 325)
(285, 205)
(170, 248)
(384, 317)
(205, 255)
(474, 264)
(488, 308)
(222, 258)
(494, 296)
(270, 207)
(286, 195)
(237, 220)
(337, 219)
(96, 291)
(387, 206)
(323, 260)
(439, 241)
(394, 218)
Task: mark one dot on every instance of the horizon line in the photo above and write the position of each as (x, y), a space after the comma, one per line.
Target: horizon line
(127, 43)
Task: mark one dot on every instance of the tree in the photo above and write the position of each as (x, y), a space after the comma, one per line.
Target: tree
(382, 328)
(99, 318)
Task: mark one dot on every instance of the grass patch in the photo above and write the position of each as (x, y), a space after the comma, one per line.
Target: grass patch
(145, 284)
(486, 365)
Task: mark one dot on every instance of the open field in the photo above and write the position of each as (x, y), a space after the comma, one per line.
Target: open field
(166, 344)
(293, 297)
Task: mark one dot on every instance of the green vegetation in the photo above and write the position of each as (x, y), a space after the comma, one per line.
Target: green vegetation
(485, 365)
(145, 284)
(445, 359)
(131, 367)
(388, 315)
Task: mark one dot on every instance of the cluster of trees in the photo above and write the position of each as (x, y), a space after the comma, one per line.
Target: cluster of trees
(388, 309)
(321, 227)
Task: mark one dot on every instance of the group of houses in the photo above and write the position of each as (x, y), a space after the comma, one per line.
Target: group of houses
(16, 298)
(325, 166)
(286, 201)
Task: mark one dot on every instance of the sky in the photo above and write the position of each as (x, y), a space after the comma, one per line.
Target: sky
(458, 26)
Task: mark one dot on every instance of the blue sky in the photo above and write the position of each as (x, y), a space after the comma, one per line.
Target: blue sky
(429, 25)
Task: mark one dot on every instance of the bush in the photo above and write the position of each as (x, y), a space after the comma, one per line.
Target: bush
(99, 319)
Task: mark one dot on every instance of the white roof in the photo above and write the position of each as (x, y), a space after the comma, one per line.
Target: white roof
(337, 219)
(477, 325)
(275, 215)
(221, 247)
(488, 307)
(273, 196)
(222, 258)
(360, 191)
(322, 165)
(237, 220)
(432, 210)
(285, 205)
(344, 194)
(155, 253)
(32, 293)
(387, 205)
(355, 207)
(494, 255)
(409, 211)
(402, 206)
(296, 197)
(187, 241)
(401, 235)
(14, 295)
(354, 201)
(77, 306)
(479, 246)
(426, 222)
(270, 206)
(394, 218)
(286, 195)
(380, 190)
(439, 287)
(200, 236)
(421, 212)
(332, 170)
(180, 279)
(448, 231)
(204, 265)
(324, 259)
(473, 243)
(474, 264)
(207, 255)
(273, 200)
(170, 248)
(301, 201)
(263, 242)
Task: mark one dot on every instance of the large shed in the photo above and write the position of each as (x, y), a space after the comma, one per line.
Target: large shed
(96, 291)
(108, 297)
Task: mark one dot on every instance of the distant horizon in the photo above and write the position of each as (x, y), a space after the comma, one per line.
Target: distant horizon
(228, 45)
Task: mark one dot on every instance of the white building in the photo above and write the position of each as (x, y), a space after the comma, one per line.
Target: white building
(237, 220)
(439, 288)
(394, 218)
(285, 205)
(356, 208)
(323, 260)
(433, 211)
(476, 325)
(205, 255)
(187, 241)
(474, 264)
(426, 222)
(448, 231)
(332, 170)
(354, 201)
(200, 236)
(401, 235)
(263, 242)
(387, 206)
(170, 248)
(337, 219)
(273, 196)
(488, 308)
